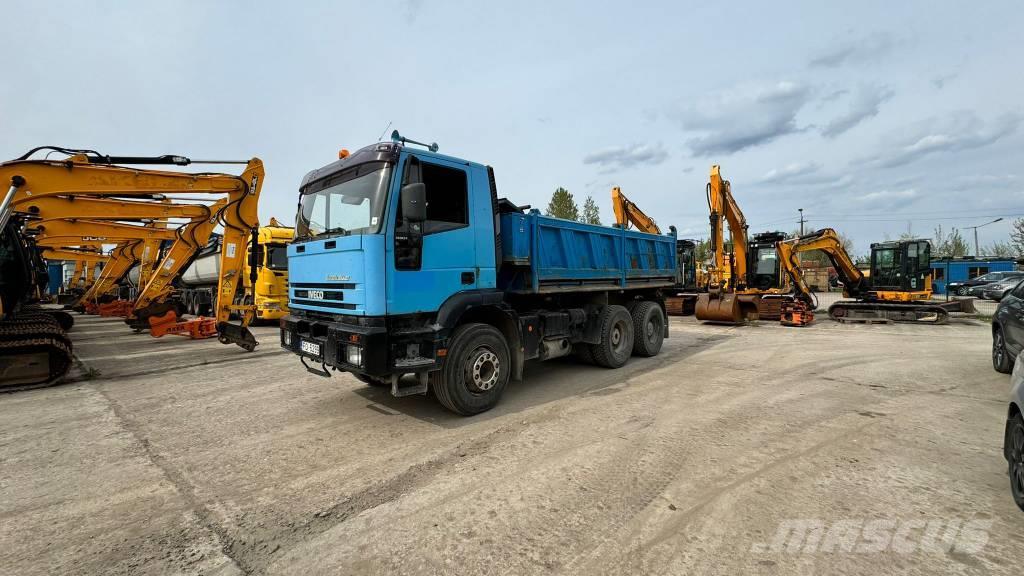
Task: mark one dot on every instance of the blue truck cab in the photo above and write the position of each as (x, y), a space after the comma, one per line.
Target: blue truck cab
(408, 271)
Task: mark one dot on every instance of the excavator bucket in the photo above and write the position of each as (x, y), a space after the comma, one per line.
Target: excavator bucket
(727, 308)
(229, 333)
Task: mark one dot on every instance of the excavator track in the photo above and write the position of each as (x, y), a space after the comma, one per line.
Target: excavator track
(34, 352)
(902, 312)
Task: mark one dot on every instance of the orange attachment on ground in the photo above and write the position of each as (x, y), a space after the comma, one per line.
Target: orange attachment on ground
(196, 329)
(796, 313)
(120, 308)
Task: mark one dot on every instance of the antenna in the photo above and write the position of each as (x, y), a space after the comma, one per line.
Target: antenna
(396, 137)
(385, 131)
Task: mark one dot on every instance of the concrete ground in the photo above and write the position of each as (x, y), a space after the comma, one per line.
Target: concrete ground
(738, 449)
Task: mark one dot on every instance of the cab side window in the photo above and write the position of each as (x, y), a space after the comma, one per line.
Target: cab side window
(447, 198)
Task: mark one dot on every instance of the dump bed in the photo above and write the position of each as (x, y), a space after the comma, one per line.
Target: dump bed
(541, 254)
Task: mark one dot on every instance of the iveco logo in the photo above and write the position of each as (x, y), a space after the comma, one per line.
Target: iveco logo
(316, 294)
(337, 278)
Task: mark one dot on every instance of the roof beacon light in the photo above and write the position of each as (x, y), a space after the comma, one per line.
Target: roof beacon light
(396, 137)
(343, 153)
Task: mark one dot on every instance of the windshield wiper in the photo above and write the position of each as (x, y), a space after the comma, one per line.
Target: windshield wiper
(336, 231)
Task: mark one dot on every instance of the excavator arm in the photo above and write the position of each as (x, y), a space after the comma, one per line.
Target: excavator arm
(724, 209)
(626, 213)
(190, 238)
(826, 240)
(726, 300)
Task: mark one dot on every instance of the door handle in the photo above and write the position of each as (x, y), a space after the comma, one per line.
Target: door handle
(468, 277)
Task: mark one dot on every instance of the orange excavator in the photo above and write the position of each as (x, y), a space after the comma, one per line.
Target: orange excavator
(729, 299)
(88, 174)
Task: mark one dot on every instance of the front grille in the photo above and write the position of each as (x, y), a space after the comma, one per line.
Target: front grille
(327, 295)
(323, 304)
(335, 285)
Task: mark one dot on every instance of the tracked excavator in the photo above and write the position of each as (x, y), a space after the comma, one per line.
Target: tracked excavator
(88, 174)
(746, 284)
(898, 290)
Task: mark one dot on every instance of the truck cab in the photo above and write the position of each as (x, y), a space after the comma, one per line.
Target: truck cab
(408, 272)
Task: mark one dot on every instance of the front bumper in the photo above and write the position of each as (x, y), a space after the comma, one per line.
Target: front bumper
(333, 340)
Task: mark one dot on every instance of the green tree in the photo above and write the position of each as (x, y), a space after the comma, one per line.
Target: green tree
(999, 250)
(562, 205)
(1017, 236)
(591, 214)
(951, 245)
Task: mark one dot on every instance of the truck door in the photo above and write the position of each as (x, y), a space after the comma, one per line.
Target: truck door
(421, 277)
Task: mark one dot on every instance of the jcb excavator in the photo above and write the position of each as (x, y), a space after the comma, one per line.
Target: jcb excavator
(739, 283)
(898, 290)
(88, 174)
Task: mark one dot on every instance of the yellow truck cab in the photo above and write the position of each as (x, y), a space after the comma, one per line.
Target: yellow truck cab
(271, 290)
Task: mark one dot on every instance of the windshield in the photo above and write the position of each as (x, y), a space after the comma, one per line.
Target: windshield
(277, 257)
(766, 258)
(351, 202)
(991, 277)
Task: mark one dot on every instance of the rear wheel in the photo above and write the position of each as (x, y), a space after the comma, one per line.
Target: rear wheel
(1001, 361)
(648, 329)
(475, 370)
(616, 345)
(1015, 456)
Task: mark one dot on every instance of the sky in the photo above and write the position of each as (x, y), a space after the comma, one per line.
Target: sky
(876, 118)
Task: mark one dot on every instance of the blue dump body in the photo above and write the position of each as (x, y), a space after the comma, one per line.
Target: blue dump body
(553, 255)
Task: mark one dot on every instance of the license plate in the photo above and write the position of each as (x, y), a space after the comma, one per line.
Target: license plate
(310, 348)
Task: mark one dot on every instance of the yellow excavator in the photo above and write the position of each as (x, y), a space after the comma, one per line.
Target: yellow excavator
(88, 174)
(743, 285)
(899, 288)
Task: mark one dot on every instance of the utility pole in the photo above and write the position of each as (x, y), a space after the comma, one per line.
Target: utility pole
(977, 251)
(801, 221)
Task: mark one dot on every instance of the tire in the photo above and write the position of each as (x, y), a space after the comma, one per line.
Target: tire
(616, 344)
(1001, 360)
(962, 291)
(648, 329)
(1015, 458)
(370, 380)
(475, 371)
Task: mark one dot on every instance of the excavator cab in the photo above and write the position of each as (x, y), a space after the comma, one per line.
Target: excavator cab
(763, 269)
(901, 266)
(686, 265)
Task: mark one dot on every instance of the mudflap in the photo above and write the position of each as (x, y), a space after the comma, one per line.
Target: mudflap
(228, 333)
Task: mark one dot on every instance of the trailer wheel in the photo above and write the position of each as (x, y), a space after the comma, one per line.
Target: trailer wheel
(648, 329)
(616, 344)
(475, 371)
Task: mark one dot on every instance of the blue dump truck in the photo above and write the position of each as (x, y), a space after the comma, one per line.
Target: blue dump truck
(409, 272)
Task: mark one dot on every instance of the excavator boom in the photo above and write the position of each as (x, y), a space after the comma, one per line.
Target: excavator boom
(626, 213)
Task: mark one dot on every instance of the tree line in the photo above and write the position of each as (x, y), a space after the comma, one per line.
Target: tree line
(563, 205)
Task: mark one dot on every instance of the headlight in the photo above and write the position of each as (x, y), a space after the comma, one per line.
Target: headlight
(287, 337)
(354, 355)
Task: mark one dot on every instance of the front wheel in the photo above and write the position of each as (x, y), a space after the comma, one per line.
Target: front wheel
(1000, 357)
(475, 370)
(1015, 456)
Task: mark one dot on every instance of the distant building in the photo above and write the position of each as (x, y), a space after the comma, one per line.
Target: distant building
(960, 269)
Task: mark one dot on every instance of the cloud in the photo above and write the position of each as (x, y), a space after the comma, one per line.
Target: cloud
(864, 105)
(790, 171)
(939, 82)
(864, 50)
(958, 131)
(742, 117)
(621, 157)
(888, 199)
(805, 174)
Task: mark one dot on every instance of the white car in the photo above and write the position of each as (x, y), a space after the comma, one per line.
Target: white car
(1013, 441)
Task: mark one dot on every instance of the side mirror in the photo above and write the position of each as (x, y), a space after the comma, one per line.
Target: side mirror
(414, 202)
